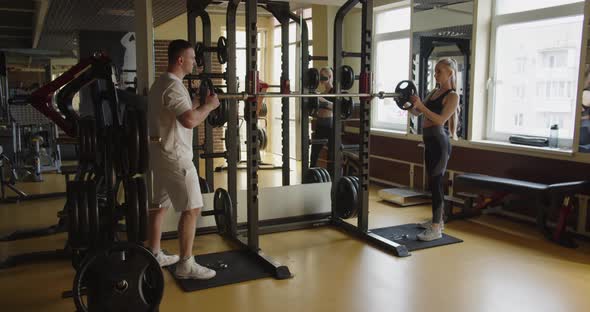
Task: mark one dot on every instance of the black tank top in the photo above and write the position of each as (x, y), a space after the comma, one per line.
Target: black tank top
(436, 105)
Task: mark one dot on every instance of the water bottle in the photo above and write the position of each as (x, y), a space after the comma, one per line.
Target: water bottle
(553, 134)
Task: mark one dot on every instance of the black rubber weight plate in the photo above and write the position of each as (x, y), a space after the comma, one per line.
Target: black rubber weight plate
(319, 178)
(323, 174)
(329, 178)
(311, 176)
(345, 198)
(357, 193)
(356, 182)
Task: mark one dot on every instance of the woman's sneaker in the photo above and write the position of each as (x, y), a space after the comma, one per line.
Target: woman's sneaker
(431, 233)
(190, 269)
(166, 260)
(427, 224)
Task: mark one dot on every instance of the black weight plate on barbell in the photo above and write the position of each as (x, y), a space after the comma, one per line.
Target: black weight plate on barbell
(224, 112)
(72, 211)
(212, 118)
(405, 88)
(144, 142)
(123, 277)
(93, 213)
(346, 77)
(219, 116)
(312, 78)
(200, 54)
(143, 205)
(205, 88)
(131, 211)
(222, 50)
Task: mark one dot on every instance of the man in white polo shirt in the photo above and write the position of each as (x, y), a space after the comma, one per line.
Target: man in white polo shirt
(172, 117)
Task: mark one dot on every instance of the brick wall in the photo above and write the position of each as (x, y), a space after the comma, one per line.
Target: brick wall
(161, 56)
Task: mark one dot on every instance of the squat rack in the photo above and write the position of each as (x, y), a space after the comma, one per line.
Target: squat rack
(335, 141)
(196, 8)
(279, 11)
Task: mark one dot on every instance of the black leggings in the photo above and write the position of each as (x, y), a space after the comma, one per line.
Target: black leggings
(323, 129)
(437, 151)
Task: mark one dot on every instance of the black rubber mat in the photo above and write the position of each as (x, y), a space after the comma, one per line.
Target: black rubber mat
(241, 266)
(405, 234)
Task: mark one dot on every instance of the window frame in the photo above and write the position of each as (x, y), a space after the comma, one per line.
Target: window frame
(553, 12)
(388, 36)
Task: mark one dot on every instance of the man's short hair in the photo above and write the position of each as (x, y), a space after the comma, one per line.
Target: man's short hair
(175, 49)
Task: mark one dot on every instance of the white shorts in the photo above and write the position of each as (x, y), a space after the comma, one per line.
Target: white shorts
(177, 186)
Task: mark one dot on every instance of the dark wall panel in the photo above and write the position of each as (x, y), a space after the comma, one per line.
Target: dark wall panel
(390, 171)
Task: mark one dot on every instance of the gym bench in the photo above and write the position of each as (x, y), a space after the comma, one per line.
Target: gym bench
(547, 197)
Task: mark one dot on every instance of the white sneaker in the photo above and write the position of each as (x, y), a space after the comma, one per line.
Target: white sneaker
(430, 234)
(166, 260)
(427, 224)
(190, 269)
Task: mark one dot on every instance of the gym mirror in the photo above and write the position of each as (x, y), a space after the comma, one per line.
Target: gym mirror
(441, 29)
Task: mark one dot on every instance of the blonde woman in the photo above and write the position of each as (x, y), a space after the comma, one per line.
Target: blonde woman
(440, 107)
(323, 121)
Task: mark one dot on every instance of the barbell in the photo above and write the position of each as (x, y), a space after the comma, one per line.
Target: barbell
(403, 91)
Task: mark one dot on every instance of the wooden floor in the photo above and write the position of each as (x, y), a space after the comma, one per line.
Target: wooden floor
(502, 265)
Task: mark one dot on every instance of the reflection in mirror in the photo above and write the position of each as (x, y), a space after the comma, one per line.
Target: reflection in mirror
(441, 29)
(584, 144)
(585, 122)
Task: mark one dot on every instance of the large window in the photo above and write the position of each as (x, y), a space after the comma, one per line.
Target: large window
(392, 53)
(534, 68)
